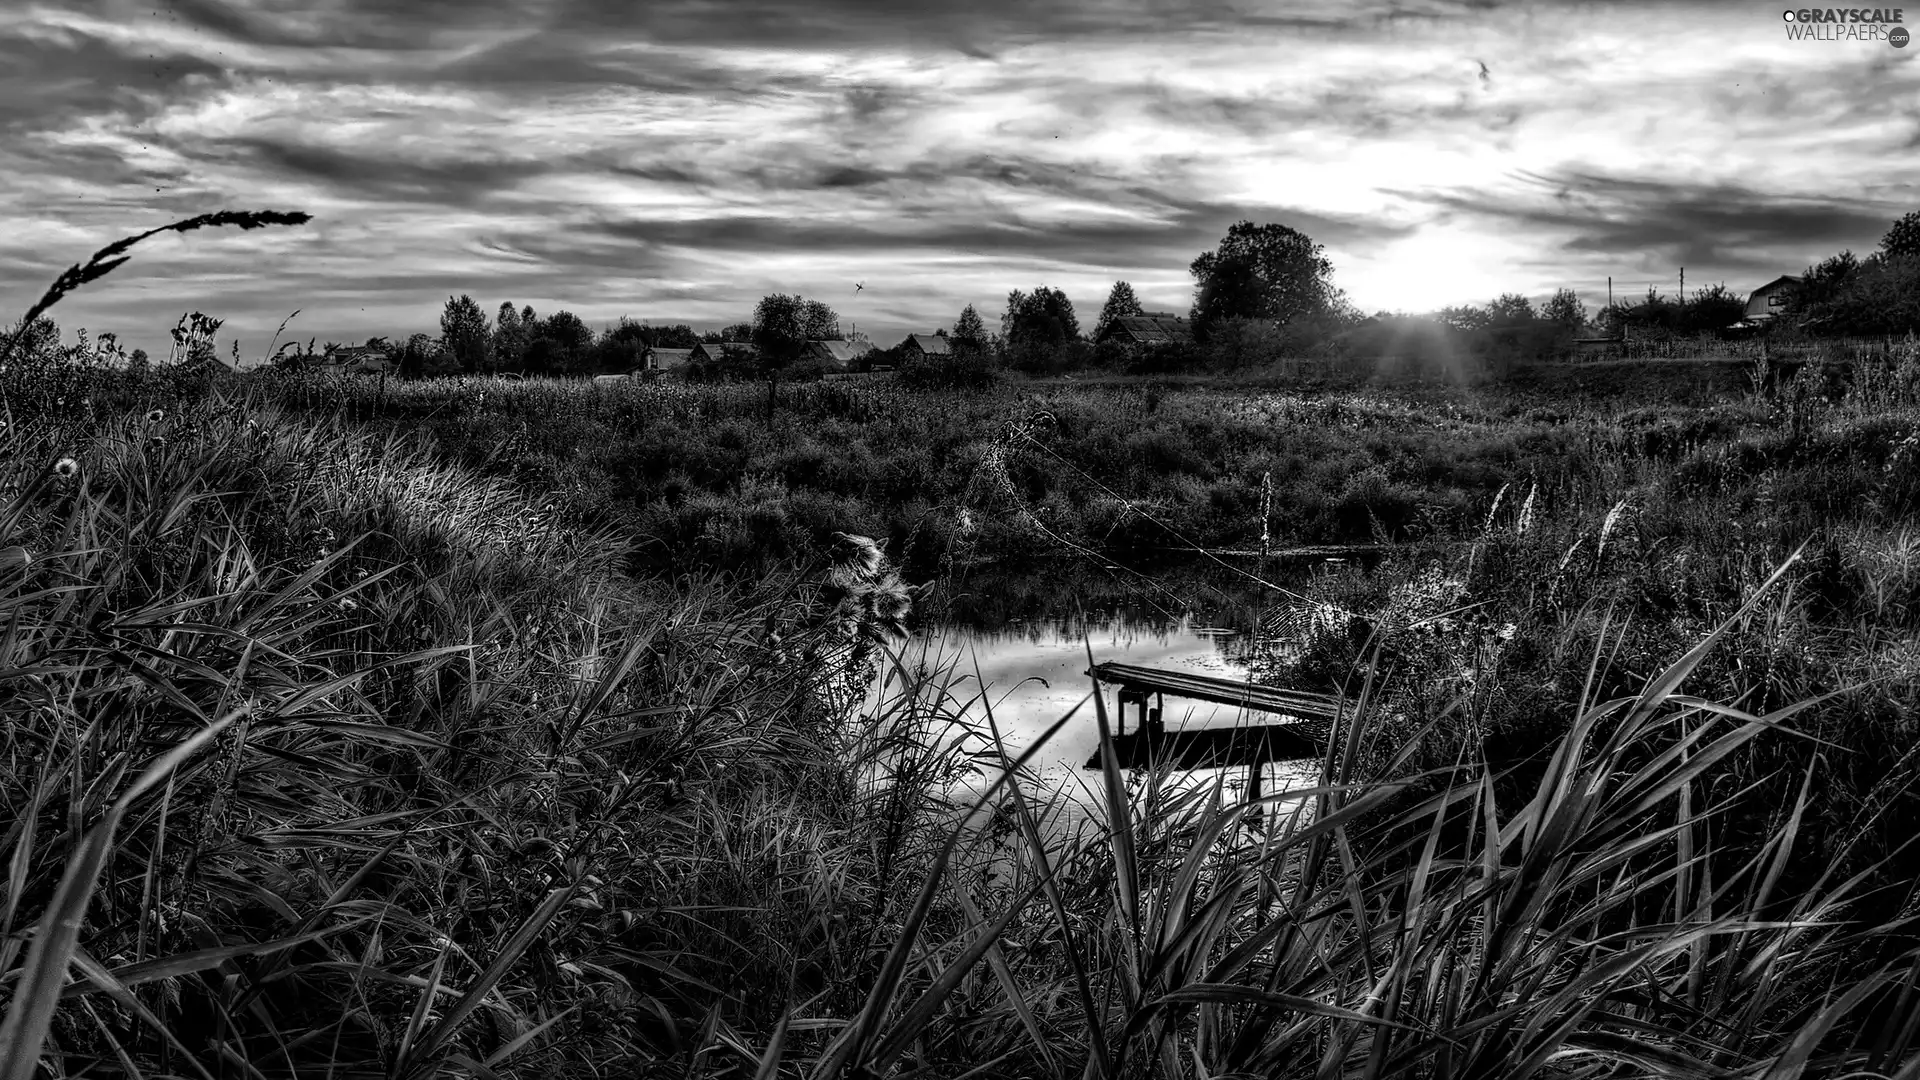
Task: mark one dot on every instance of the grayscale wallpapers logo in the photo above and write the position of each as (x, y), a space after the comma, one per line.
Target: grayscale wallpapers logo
(1847, 24)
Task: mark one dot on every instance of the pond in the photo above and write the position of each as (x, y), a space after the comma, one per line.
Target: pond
(1030, 638)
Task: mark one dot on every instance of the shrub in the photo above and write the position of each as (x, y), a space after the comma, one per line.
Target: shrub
(962, 369)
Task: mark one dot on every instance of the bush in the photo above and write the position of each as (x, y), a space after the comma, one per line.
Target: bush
(1170, 359)
(1238, 343)
(962, 369)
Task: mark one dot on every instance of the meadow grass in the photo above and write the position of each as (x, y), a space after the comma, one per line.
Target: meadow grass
(327, 755)
(333, 750)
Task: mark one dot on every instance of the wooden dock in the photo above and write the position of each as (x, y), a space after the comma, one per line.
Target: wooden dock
(1248, 746)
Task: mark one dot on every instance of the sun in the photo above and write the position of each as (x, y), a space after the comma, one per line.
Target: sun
(1429, 270)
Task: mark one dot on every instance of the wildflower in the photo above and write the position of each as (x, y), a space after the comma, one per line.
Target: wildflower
(347, 604)
(66, 467)
(859, 553)
(156, 416)
(157, 441)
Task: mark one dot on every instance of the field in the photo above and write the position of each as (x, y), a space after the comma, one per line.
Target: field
(504, 729)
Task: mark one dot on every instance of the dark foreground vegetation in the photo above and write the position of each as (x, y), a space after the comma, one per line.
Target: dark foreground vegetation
(404, 732)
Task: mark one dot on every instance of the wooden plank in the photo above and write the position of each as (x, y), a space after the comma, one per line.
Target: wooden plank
(1215, 748)
(1299, 703)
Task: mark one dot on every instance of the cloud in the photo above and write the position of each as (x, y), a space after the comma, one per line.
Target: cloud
(980, 29)
(686, 156)
(1719, 226)
(460, 180)
(52, 78)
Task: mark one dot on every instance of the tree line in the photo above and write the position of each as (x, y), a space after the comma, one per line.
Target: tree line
(1263, 291)
(1880, 294)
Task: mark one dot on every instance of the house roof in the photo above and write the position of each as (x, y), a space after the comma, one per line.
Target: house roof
(1154, 329)
(713, 350)
(931, 344)
(839, 350)
(1783, 279)
(670, 357)
(347, 354)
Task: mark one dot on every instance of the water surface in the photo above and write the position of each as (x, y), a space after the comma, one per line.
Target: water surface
(1028, 650)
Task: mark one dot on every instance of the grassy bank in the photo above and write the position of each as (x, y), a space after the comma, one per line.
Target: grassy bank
(345, 739)
(699, 476)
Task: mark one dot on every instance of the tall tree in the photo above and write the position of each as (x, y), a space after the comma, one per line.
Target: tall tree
(621, 347)
(819, 321)
(509, 338)
(1823, 282)
(677, 336)
(1903, 240)
(418, 352)
(1060, 309)
(1510, 309)
(1043, 317)
(463, 327)
(969, 332)
(782, 326)
(1262, 272)
(1120, 303)
(1463, 317)
(779, 330)
(1565, 308)
(1016, 303)
(572, 339)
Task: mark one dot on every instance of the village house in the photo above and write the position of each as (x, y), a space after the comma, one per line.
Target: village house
(1153, 328)
(658, 359)
(1771, 299)
(714, 352)
(355, 360)
(924, 345)
(837, 354)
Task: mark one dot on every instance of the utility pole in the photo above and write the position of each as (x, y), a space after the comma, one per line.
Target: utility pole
(1683, 288)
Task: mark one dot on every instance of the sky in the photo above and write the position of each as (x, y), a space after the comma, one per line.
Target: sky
(676, 160)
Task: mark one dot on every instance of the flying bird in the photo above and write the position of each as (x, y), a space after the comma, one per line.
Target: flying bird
(858, 285)
(1485, 75)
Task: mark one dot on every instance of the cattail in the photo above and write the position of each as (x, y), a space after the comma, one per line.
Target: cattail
(1266, 513)
(1567, 559)
(1526, 512)
(1606, 527)
(1495, 508)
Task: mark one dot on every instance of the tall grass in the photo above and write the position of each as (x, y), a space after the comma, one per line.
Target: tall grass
(330, 754)
(357, 764)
